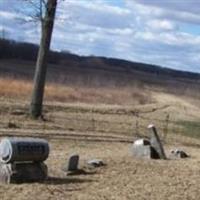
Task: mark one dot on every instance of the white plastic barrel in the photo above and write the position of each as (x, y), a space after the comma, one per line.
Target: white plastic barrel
(15, 149)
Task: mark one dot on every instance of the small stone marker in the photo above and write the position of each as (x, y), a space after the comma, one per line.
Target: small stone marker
(73, 162)
(156, 143)
(142, 149)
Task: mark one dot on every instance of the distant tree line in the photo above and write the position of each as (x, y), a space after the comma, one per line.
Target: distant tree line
(10, 49)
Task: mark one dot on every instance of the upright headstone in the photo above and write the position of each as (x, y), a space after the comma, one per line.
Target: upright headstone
(156, 142)
(142, 149)
(73, 162)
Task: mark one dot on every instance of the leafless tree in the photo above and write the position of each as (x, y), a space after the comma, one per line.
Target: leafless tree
(43, 11)
(47, 22)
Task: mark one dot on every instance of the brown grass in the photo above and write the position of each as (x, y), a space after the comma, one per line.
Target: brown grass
(10, 87)
(15, 88)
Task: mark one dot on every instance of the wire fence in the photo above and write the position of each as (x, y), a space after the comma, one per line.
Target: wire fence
(131, 123)
(134, 125)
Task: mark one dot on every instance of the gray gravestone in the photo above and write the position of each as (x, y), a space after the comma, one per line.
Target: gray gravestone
(21, 160)
(17, 149)
(156, 143)
(142, 149)
(73, 162)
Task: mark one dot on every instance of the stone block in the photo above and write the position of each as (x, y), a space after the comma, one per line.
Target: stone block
(22, 172)
(144, 151)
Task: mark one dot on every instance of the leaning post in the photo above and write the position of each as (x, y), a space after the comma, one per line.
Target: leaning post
(156, 142)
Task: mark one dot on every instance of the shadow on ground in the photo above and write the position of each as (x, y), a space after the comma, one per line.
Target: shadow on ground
(67, 180)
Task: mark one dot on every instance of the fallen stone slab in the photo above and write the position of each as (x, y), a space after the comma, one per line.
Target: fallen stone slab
(177, 153)
(96, 163)
(22, 172)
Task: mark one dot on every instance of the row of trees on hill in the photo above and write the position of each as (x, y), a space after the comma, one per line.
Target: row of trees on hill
(10, 49)
(15, 50)
(26, 51)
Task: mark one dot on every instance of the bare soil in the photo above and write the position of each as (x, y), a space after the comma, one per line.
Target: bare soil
(122, 178)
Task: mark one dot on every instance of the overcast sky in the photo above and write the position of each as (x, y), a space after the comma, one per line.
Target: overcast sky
(162, 32)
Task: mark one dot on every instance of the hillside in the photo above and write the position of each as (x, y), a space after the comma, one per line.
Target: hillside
(18, 60)
(99, 81)
(25, 51)
(96, 107)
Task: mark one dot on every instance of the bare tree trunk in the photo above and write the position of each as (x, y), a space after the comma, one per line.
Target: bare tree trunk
(41, 65)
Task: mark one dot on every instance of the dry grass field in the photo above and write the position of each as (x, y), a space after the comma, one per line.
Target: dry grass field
(97, 113)
(20, 88)
(102, 123)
